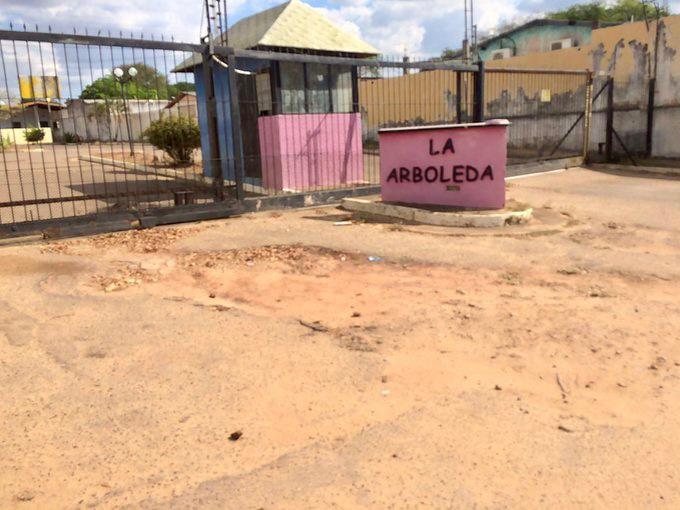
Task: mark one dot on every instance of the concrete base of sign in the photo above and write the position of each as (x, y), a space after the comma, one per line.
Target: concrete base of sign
(373, 206)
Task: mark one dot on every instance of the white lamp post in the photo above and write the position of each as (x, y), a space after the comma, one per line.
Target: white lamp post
(122, 77)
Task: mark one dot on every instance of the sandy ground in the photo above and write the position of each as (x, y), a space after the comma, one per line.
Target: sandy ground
(265, 362)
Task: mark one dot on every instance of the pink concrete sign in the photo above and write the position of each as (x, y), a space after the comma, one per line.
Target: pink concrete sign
(459, 165)
(310, 151)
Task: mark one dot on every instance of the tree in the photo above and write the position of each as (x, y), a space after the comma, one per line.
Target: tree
(449, 54)
(621, 11)
(147, 84)
(178, 136)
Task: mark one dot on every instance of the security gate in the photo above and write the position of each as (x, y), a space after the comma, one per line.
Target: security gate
(95, 128)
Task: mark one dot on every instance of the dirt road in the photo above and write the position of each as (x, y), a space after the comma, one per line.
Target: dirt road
(535, 366)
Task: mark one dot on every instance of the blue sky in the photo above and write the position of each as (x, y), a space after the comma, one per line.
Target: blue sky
(419, 27)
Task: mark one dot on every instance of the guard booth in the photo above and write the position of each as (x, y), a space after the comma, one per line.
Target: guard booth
(300, 124)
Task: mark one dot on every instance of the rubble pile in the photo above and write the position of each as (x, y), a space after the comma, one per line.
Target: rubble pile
(297, 257)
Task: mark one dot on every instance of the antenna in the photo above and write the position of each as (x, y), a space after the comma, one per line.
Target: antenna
(473, 29)
(216, 18)
(470, 30)
(466, 41)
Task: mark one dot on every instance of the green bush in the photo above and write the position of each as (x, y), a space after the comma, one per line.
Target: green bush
(5, 143)
(177, 136)
(71, 137)
(34, 135)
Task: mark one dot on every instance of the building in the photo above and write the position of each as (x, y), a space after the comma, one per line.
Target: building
(316, 102)
(184, 105)
(29, 114)
(636, 55)
(537, 36)
(16, 118)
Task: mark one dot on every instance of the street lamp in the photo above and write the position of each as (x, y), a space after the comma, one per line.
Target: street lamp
(122, 77)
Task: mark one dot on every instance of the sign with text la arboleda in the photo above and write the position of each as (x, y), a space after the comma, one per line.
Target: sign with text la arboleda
(459, 165)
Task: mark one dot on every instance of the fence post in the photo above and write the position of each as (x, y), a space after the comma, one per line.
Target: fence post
(588, 115)
(211, 111)
(650, 117)
(609, 140)
(459, 97)
(239, 167)
(478, 107)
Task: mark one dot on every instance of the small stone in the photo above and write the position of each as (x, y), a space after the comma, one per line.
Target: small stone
(383, 379)
(356, 314)
(212, 295)
(235, 436)
(497, 388)
(26, 496)
(110, 287)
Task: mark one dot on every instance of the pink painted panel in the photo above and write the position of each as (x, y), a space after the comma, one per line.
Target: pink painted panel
(309, 151)
(459, 165)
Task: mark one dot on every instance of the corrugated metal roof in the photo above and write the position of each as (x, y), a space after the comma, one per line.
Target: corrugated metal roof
(293, 24)
(301, 26)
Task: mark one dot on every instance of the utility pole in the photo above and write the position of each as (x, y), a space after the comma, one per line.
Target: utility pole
(470, 30)
(466, 41)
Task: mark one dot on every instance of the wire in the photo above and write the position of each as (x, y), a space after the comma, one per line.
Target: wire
(226, 66)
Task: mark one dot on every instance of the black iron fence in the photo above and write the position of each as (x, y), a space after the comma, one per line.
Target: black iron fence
(546, 109)
(73, 131)
(97, 125)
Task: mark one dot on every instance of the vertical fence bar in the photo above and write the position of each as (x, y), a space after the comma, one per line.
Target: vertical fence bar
(459, 97)
(609, 140)
(650, 117)
(478, 100)
(215, 164)
(587, 116)
(239, 170)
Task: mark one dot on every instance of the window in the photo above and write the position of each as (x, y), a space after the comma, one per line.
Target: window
(16, 124)
(292, 87)
(264, 92)
(501, 54)
(318, 90)
(562, 44)
(314, 88)
(44, 123)
(341, 88)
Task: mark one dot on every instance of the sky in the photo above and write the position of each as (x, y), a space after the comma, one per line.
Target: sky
(415, 27)
(419, 28)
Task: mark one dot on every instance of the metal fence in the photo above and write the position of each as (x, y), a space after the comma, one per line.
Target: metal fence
(88, 156)
(546, 110)
(319, 130)
(246, 124)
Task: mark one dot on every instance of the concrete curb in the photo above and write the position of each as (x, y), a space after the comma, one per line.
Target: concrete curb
(158, 172)
(656, 170)
(535, 167)
(441, 219)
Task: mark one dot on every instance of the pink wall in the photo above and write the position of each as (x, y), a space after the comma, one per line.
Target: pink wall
(301, 152)
(461, 165)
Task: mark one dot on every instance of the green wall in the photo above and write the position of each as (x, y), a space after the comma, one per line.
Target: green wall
(536, 39)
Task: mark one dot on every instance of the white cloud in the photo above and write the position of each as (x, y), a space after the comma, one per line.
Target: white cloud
(423, 27)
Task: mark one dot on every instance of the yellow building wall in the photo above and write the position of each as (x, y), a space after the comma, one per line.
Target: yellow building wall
(429, 96)
(620, 43)
(16, 136)
(619, 51)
